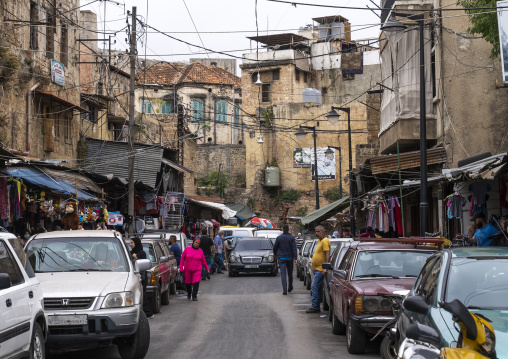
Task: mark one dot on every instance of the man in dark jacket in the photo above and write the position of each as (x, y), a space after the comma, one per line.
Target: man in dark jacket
(285, 250)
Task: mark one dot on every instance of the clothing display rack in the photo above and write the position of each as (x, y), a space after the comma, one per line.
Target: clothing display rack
(175, 203)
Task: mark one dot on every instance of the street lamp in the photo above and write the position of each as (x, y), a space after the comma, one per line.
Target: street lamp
(300, 135)
(394, 30)
(333, 118)
(329, 152)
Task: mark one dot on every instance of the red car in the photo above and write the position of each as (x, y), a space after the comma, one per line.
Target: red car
(361, 281)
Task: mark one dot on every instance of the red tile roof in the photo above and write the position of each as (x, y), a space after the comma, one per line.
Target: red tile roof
(168, 74)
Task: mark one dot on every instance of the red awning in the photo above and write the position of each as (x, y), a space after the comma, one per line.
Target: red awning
(61, 100)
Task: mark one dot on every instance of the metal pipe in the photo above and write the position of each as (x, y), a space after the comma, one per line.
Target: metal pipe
(29, 117)
(424, 206)
(315, 168)
(351, 187)
(131, 119)
(400, 190)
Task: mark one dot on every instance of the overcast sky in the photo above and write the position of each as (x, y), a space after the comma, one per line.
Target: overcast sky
(235, 18)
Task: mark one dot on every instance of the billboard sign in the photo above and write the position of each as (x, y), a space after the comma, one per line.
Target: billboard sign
(301, 157)
(502, 21)
(57, 72)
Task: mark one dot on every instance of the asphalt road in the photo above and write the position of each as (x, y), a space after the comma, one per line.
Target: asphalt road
(244, 316)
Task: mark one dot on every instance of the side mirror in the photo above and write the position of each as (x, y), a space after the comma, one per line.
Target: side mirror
(305, 254)
(416, 303)
(142, 265)
(341, 273)
(326, 266)
(423, 333)
(164, 259)
(5, 281)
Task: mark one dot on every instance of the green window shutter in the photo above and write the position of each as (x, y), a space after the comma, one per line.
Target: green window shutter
(222, 111)
(147, 107)
(166, 107)
(197, 110)
(237, 118)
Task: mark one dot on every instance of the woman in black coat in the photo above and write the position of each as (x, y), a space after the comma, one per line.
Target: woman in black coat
(138, 252)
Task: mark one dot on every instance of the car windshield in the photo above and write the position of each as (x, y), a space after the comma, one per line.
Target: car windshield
(77, 254)
(253, 245)
(391, 264)
(486, 278)
(150, 253)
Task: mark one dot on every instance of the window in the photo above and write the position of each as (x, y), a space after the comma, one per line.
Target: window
(63, 45)
(305, 77)
(221, 108)
(50, 31)
(92, 116)
(236, 114)
(275, 75)
(428, 286)
(8, 265)
(67, 128)
(198, 110)
(254, 77)
(297, 75)
(146, 107)
(34, 18)
(344, 265)
(166, 107)
(265, 93)
(348, 77)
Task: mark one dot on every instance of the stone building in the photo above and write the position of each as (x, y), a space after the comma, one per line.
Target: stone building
(40, 111)
(296, 82)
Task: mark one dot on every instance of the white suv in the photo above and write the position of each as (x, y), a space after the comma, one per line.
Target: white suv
(92, 293)
(23, 326)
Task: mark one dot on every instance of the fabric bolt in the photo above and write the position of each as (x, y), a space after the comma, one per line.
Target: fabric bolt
(4, 195)
(191, 263)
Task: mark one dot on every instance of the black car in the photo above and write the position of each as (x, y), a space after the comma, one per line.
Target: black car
(252, 255)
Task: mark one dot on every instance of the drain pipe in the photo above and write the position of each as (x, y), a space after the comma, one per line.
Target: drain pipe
(29, 116)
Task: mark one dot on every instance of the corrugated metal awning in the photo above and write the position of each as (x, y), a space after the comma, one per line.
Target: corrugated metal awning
(486, 169)
(176, 166)
(73, 177)
(389, 163)
(61, 100)
(111, 158)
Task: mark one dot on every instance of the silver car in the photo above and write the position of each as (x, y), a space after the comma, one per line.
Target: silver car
(92, 292)
(301, 261)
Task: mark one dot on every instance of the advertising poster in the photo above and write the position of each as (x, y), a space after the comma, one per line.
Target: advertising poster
(301, 157)
(502, 20)
(57, 73)
(325, 164)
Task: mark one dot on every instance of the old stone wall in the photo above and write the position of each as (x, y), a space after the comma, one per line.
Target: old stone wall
(229, 157)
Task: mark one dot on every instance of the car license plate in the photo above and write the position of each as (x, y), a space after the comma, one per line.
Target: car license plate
(251, 266)
(76, 319)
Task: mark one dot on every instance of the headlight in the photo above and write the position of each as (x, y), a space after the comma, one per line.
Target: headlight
(265, 259)
(489, 345)
(270, 258)
(117, 300)
(232, 258)
(372, 303)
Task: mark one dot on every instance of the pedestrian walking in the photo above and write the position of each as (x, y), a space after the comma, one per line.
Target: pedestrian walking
(206, 244)
(137, 252)
(191, 263)
(299, 241)
(285, 250)
(175, 249)
(219, 251)
(321, 255)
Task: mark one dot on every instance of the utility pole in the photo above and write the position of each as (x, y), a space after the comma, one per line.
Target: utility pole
(131, 119)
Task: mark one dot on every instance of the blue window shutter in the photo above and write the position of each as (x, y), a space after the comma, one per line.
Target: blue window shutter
(237, 119)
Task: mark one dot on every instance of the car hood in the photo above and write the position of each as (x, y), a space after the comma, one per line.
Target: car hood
(82, 284)
(382, 286)
(254, 253)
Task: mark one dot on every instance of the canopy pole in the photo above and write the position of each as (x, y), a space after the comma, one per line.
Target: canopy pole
(400, 189)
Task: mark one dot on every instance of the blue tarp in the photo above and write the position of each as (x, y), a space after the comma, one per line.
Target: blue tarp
(39, 179)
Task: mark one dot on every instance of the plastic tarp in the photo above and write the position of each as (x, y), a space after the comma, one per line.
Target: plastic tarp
(227, 212)
(242, 211)
(485, 169)
(326, 211)
(39, 179)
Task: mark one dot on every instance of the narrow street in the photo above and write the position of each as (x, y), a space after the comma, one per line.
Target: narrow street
(245, 316)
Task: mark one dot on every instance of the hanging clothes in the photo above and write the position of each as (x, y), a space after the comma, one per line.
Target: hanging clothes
(398, 217)
(386, 222)
(480, 196)
(455, 202)
(4, 195)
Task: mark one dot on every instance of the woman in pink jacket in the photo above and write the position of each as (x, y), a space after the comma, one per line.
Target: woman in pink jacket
(190, 265)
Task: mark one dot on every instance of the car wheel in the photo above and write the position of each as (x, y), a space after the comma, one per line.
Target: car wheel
(325, 303)
(297, 272)
(304, 280)
(37, 350)
(136, 346)
(155, 301)
(337, 327)
(172, 288)
(230, 273)
(388, 348)
(330, 313)
(165, 297)
(309, 283)
(302, 276)
(355, 337)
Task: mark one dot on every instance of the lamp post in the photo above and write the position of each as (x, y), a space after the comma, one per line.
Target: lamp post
(333, 117)
(300, 136)
(394, 30)
(329, 151)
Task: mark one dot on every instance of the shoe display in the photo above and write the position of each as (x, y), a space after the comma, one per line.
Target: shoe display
(312, 310)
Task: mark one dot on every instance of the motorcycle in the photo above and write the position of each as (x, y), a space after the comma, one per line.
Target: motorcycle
(476, 335)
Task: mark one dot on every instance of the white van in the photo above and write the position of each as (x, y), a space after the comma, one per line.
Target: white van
(268, 233)
(238, 231)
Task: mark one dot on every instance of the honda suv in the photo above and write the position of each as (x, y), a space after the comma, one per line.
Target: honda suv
(92, 292)
(22, 323)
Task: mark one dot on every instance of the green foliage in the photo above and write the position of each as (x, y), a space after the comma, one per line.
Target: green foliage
(273, 163)
(289, 195)
(241, 180)
(215, 182)
(333, 194)
(483, 22)
(302, 211)
(251, 202)
(9, 63)
(268, 116)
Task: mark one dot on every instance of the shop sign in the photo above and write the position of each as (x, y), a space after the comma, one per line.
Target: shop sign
(57, 72)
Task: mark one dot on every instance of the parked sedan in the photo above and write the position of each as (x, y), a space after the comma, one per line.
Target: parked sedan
(159, 277)
(362, 283)
(252, 254)
(478, 277)
(303, 254)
